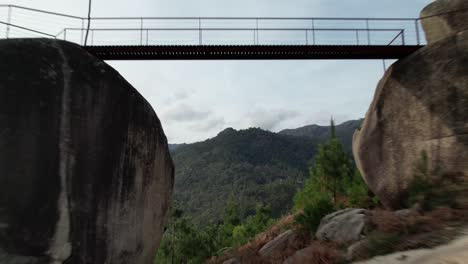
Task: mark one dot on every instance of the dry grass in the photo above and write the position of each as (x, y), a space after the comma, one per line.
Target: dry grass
(386, 221)
(317, 253)
(428, 229)
(248, 253)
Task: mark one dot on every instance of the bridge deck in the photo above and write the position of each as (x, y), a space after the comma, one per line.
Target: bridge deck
(254, 52)
(220, 38)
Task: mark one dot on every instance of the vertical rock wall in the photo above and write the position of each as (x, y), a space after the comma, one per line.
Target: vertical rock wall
(85, 171)
(420, 105)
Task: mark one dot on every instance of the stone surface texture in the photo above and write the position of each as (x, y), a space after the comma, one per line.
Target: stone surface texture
(344, 226)
(277, 245)
(85, 171)
(420, 105)
(443, 18)
(301, 256)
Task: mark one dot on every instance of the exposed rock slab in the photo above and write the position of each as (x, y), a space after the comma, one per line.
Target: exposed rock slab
(421, 104)
(85, 171)
(444, 18)
(344, 226)
(301, 256)
(277, 245)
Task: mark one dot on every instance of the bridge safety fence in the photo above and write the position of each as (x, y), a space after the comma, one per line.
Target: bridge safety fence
(22, 22)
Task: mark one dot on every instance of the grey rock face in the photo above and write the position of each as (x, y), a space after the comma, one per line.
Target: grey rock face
(344, 226)
(421, 104)
(300, 256)
(277, 245)
(85, 171)
(443, 18)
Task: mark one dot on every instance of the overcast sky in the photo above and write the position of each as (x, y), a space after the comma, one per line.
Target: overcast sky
(195, 100)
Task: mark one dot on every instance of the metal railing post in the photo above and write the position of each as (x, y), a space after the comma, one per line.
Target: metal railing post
(200, 40)
(141, 31)
(147, 37)
(82, 31)
(307, 37)
(313, 31)
(418, 38)
(256, 21)
(403, 37)
(368, 32)
(65, 34)
(357, 37)
(9, 22)
(92, 37)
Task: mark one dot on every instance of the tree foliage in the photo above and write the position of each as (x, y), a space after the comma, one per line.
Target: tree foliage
(334, 183)
(255, 164)
(184, 242)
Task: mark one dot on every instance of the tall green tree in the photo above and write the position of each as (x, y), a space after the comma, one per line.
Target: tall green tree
(332, 166)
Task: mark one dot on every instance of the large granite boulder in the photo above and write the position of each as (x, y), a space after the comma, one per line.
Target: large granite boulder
(443, 18)
(420, 105)
(344, 226)
(85, 171)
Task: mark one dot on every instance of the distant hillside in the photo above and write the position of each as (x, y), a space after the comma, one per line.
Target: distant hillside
(254, 165)
(344, 132)
(173, 147)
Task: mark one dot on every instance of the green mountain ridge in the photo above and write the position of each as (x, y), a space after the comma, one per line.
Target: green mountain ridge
(253, 166)
(344, 132)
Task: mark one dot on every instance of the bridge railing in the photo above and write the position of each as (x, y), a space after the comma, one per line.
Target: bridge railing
(16, 21)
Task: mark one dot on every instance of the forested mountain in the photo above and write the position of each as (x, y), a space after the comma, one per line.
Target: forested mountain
(251, 166)
(344, 132)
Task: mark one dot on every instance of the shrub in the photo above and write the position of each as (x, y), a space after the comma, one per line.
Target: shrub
(309, 220)
(240, 235)
(429, 192)
(358, 192)
(383, 243)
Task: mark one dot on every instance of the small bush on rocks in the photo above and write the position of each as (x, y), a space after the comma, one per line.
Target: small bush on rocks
(309, 220)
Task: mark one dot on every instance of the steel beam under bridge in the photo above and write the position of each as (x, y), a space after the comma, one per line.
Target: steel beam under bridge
(254, 52)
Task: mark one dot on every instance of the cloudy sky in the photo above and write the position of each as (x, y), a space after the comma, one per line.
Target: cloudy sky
(197, 99)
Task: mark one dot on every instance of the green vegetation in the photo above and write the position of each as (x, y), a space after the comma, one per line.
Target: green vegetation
(344, 132)
(254, 164)
(381, 243)
(309, 220)
(184, 242)
(430, 190)
(334, 184)
(358, 193)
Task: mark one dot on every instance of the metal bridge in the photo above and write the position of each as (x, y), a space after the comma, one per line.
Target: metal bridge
(220, 38)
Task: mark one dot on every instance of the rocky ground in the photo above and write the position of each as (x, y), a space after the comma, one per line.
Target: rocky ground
(456, 252)
(359, 235)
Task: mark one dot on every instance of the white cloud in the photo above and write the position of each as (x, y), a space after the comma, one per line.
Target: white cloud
(185, 113)
(214, 124)
(269, 119)
(196, 99)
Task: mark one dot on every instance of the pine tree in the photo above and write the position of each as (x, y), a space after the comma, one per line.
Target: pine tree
(332, 165)
(331, 170)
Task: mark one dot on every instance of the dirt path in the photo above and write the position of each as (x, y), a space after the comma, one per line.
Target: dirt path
(456, 252)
